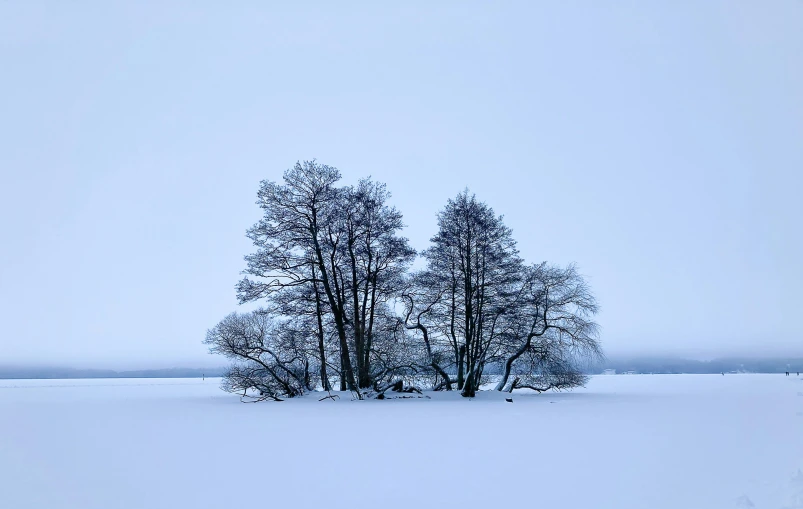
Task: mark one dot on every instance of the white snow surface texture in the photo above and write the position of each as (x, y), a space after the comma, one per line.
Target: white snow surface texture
(643, 441)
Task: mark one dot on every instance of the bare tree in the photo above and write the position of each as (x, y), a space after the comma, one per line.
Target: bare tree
(331, 253)
(376, 259)
(478, 301)
(269, 358)
(299, 231)
(552, 328)
(474, 265)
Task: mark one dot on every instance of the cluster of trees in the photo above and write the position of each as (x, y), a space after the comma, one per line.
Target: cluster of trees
(342, 308)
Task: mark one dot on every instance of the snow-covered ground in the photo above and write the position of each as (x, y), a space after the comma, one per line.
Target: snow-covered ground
(646, 442)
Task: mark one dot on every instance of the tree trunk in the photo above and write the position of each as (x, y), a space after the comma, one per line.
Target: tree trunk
(469, 390)
(369, 333)
(337, 311)
(439, 370)
(342, 375)
(363, 378)
(460, 359)
(509, 363)
(321, 351)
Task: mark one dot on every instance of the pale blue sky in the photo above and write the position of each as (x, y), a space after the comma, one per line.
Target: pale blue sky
(657, 144)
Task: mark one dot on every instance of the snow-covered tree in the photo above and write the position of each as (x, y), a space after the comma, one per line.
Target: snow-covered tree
(331, 272)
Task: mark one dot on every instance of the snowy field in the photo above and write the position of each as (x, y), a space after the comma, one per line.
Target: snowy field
(646, 442)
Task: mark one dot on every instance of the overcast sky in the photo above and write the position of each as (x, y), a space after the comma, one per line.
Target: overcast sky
(657, 144)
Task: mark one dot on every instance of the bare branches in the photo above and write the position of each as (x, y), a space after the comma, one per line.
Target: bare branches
(332, 272)
(554, 325)
(269, 359)
(328, 259)
(473, 267)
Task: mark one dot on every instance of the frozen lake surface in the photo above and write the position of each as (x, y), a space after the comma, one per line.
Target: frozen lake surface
(644, 441)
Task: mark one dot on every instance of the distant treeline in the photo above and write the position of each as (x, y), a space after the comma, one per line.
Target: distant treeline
(12, 372)
(724, 365)
(645, 365)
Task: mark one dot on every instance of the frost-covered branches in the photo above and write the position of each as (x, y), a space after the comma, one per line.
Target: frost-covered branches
(341, 307)
(271, 358)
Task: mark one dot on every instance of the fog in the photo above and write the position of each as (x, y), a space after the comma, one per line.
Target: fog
(658, 146)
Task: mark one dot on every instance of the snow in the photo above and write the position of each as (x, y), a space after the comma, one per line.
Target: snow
(644, 441)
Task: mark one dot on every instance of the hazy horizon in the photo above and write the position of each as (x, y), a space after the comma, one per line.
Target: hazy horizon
(658, 146)
(217, 362)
